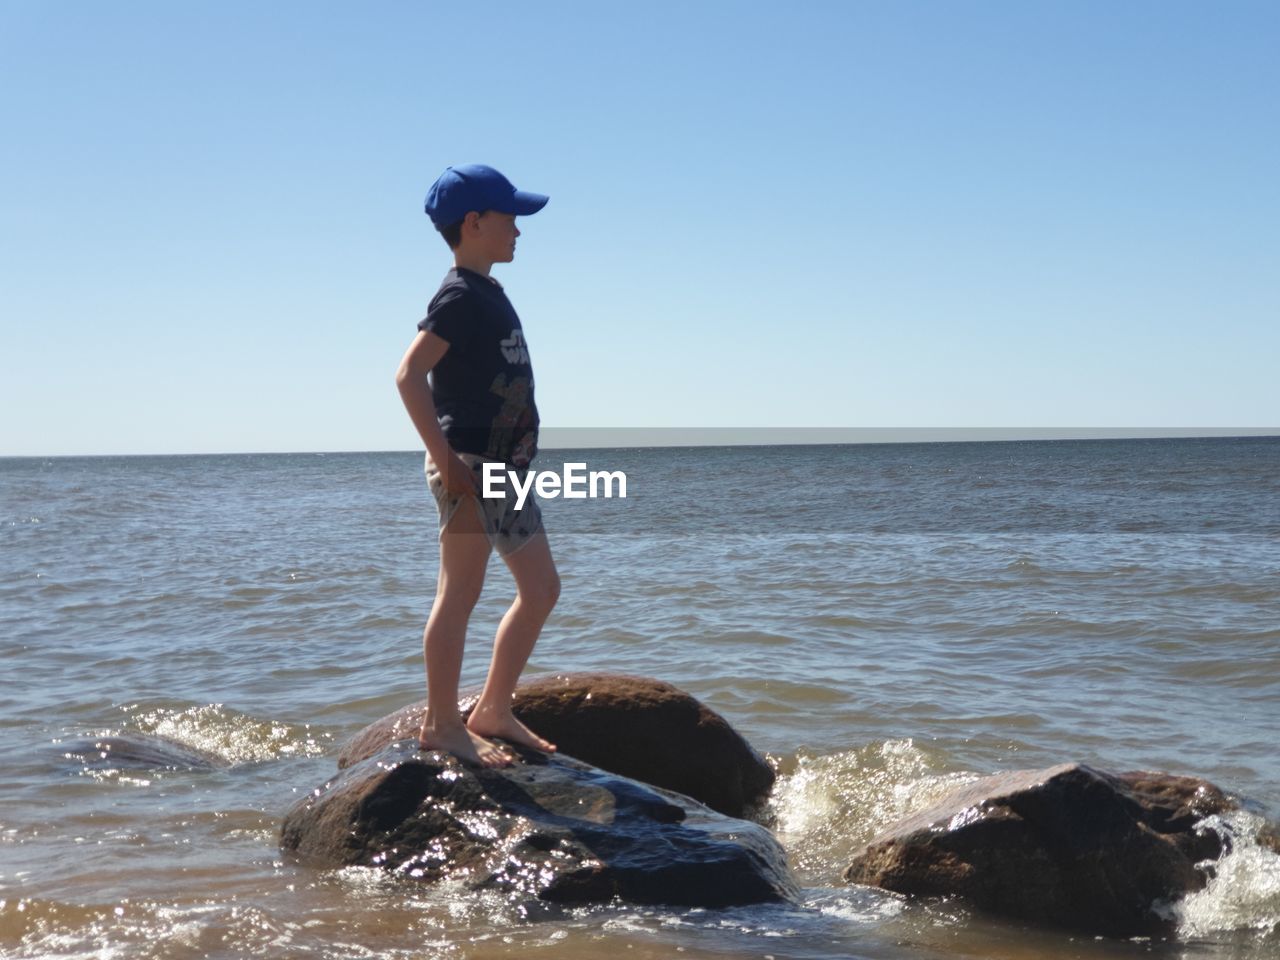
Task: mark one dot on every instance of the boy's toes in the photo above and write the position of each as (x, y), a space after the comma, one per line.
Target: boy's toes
(539, 743)
(466, 746)
(510, 729)
(489, 754)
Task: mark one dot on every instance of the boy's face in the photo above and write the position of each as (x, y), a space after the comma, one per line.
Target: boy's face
(495, 235)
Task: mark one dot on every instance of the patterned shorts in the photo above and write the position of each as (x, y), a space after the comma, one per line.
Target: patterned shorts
(508, 529)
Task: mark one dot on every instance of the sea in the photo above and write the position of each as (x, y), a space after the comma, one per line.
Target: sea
(884, 622)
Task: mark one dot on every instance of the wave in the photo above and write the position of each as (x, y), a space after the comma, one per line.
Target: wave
(209, 736)
(824, 808)
(1243, 893)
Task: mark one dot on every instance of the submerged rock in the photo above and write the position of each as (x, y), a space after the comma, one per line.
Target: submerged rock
(139, 751)
(551, 827)
(634, 726)
(1069, 846)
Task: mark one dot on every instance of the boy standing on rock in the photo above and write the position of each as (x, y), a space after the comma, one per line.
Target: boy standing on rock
(477, 406)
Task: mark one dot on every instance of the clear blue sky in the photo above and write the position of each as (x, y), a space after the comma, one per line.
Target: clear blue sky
(844, 214)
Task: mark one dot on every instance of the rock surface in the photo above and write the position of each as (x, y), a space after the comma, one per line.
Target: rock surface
(551, 828)
(1068, 846)
(637, 727)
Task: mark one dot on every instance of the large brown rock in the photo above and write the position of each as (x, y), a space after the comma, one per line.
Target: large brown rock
(550, 828)
(634, 726)
(1068, 846)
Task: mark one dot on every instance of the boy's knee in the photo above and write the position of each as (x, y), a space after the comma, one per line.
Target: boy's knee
(544, 595)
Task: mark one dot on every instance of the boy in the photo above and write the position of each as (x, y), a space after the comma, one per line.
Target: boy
(478, 406)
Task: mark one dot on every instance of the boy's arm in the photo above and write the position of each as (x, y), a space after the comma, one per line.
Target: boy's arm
(411, 380)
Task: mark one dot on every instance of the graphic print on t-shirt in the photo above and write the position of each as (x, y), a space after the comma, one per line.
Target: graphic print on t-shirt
(513, 348)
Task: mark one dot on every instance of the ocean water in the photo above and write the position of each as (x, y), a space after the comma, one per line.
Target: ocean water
(884, 622)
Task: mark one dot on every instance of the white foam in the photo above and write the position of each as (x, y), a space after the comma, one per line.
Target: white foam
(861, 905)
(828, 806)
(1244, 893)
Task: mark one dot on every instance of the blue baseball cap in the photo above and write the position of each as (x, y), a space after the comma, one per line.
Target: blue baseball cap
(474, 186)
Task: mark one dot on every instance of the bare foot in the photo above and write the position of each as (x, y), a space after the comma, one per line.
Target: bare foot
(493, 723)
(465, 745)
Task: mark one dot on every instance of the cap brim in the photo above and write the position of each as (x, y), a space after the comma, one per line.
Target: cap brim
(523, 203)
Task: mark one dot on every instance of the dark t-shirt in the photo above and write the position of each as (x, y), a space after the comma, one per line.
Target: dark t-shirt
(483, 386)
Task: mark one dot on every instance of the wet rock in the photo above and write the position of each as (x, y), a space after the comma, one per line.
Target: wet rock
(1068, 846)
(634, 726)
(138, 751)
(551, 828)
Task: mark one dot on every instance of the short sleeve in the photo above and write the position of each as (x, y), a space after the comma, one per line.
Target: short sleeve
(448, 315)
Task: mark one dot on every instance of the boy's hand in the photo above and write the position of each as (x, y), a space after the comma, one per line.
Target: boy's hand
(458, 478)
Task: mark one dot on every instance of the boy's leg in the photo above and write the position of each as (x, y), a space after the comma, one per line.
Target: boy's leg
(464, 554)
(537, 589)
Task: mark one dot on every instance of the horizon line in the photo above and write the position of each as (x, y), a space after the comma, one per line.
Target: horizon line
(556, 438)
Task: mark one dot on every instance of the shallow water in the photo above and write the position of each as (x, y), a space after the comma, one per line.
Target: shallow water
(884, 622)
